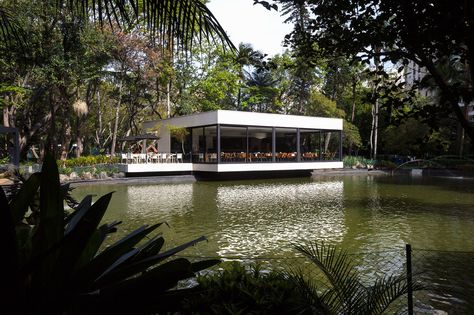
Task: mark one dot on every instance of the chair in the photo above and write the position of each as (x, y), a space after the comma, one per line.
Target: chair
(201, 157)
(179, 157)
(135, 158)
(153, 158)
(172, 157)
(213, 157)
(142, 158)
(123, 158)
(164, 158)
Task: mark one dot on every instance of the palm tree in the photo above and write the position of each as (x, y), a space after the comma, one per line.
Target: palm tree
(261, 90)
(9, 29)
(168, 21)
(245, 56)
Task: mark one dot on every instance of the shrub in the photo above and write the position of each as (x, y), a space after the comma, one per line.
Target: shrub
(351, 161)
(251, 290)
(88, 161)
(385, 164)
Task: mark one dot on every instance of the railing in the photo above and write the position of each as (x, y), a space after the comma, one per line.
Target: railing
(144, 158)
(225, 157)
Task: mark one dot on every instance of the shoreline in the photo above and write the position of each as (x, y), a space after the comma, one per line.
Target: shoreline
(349, 171)
(166, 179)
(147, 180)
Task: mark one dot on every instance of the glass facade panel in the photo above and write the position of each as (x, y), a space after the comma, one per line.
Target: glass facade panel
(286, 149)
(260, 144)
(233, 144)
(210, 136)
(181, 143)
(330, 145)
(310, 145)
(198, 146)
(204, 141)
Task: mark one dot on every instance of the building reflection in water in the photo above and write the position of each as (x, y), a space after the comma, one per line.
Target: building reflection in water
(264, 219)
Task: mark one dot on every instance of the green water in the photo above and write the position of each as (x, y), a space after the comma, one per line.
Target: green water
(363, 214)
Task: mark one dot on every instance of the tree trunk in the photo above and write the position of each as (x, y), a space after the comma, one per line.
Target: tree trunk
(354, 85)
(375, 112)
(376, 128)
(239, 95)
(51, 142)
(79, 144)
(6, 114)
(168, 100)
(99, 131)
(117, 112)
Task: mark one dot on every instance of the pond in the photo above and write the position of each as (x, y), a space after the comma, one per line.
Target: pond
(360, 213)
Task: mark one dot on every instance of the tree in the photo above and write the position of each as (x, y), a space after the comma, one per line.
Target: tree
(180, 133)
(261, 93)
(423, 32)
(56, 53)
(165, 19)
(246, 57)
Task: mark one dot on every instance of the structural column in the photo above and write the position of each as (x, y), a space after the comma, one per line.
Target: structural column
(273, 144)
(298, 150)
(340, 145)
(218, 144)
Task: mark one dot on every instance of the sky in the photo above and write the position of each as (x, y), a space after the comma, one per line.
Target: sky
(248, 23)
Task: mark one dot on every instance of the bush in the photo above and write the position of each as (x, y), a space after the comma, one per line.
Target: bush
(385, 164)
(88, 161)
(251, 290)
(356, 161)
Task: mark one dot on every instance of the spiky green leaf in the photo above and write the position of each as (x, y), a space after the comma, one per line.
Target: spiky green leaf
(19, 205)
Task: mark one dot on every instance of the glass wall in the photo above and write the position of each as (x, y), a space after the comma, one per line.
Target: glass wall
(204, 146)
(286, 145)
(181, 143)
(260, 144)
(240, 144)
(198, 144)
(310, 145)
(233, 144)
(330, 145)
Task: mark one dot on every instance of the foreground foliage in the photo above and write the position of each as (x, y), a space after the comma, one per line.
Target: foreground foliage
(345, 292)
(53, 262)
(337, 287)
(252, 290)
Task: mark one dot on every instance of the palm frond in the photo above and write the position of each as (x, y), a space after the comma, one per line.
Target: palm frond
(172, 23)
(9, 29)
(346, 293)
(308, 289)
(346, 290)
(387, 290)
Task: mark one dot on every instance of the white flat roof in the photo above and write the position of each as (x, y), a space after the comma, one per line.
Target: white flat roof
(229, 117)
